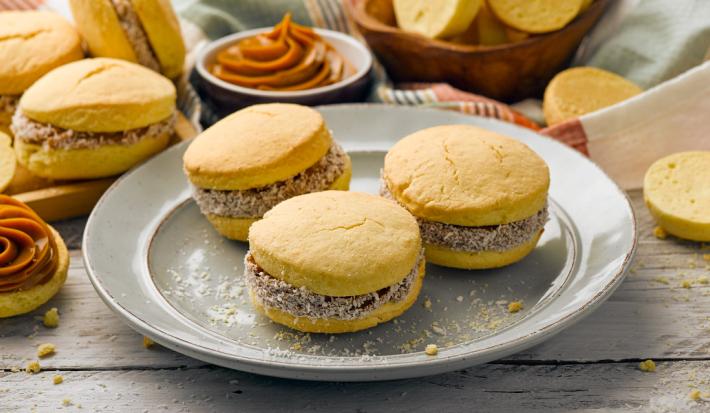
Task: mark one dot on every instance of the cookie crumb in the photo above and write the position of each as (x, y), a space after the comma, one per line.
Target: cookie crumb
(58, 379)
(14, 369)
(703, 280)
(515, 306)
(459, 298)
(660, 233)
(694, 395)
(648, 366)
(662, 280)
(706, 257)
(51, 318)
(33, 367)
(46, 349)
(147, 342)
(67, 402)
(431, 350)
(686, 284)
(427, 304)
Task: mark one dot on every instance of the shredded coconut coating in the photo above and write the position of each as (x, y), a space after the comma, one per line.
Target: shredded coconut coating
(132, 27)
(255, 202)
(301, 302)
(473, 239)
(8, 103)
(54, 137)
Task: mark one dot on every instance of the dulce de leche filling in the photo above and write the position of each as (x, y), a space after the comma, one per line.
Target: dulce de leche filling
(290, 57)
(28, 251)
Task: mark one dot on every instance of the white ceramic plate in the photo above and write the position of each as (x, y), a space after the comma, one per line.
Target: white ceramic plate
(159, 265)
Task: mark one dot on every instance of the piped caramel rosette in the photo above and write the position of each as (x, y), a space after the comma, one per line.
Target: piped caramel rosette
(28, 252)
(290, 57)
(33, 259)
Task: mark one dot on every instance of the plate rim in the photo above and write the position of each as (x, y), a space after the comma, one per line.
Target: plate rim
(411, 368)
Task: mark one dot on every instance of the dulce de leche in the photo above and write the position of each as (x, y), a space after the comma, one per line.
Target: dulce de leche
(289, 57)
(28, 251)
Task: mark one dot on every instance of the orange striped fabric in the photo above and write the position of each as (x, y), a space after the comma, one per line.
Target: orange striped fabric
(6, 5)
(570, 133)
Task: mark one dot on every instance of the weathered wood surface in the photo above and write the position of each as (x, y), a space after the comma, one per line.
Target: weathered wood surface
(488, 388)
(591, 365)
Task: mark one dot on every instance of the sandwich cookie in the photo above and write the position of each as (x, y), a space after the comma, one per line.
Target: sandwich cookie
(334, 262)
(480, 197)
(31, 44)
(255, 158)
(33, 259)
(140, 31)
(676, 190)
(93, 118)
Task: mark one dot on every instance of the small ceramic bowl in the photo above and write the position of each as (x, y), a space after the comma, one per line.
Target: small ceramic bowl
(226, 97)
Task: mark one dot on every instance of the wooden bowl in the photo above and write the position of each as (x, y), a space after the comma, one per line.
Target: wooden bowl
(507, 72)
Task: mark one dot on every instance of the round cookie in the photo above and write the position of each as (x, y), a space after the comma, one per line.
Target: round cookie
(465, 175)
(436, 18)
(580, 90)
(258, 146)
(677, 194)
(33, 43)
(100, 95)
(313, 246)
(536, 16)
(93, 118)
(318, 241)
(106, 36)
(19, 226)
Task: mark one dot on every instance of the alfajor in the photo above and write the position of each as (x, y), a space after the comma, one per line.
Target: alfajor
(33, 259)
(334, 262)
(255, 158)
(676, 190)
(31, 44)
(480, 197)
(140, 31)
(93, 118)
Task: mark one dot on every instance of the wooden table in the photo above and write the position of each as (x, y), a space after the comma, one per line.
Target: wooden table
(593, 365)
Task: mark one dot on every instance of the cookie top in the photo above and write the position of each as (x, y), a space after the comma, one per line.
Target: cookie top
(677, 192)
(100, 95)
(536, 16)
(33, 43)
(257, 146)
(465, 175)
(337, 243)
(581, 90)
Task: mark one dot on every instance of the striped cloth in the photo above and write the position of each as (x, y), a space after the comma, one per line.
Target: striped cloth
(20, 4)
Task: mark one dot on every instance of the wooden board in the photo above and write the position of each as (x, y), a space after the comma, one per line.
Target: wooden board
(591, 366)
(55, 201)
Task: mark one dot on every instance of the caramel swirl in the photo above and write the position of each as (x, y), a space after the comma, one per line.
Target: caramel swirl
(28, 251)
(290, 57)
